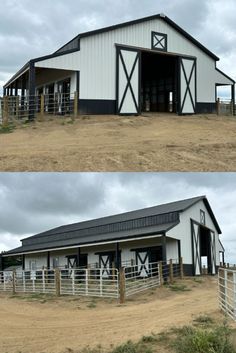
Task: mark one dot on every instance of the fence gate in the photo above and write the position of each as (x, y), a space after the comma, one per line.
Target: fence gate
(187, 86)
(227, 291)
(128, 78)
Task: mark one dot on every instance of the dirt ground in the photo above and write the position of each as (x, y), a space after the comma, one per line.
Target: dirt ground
(159, 142)
(54, 325)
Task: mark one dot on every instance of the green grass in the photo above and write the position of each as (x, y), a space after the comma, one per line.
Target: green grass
(179, 288)
(7, 129)
(186, 339)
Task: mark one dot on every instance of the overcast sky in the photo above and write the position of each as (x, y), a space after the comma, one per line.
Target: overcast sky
(32, 203)
(29, 29)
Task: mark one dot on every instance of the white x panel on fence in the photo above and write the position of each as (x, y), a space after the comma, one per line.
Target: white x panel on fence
(128, 81)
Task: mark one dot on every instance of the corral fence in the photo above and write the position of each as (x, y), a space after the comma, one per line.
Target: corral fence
(227, 291)
(27, 107)
(225, 107)
(92, 282)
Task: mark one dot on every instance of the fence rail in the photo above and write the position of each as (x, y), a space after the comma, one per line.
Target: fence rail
(227, 291)
(24, 107)
(94, 282)
(225, 107)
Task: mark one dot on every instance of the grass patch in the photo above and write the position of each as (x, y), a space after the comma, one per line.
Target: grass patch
(7, 129)
(186, 339)
(179, 288)
(196, 340)
(92, 305)
(203, 320)
(198, 280)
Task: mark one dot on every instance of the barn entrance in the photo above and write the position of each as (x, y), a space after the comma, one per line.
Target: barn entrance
(204, 250)
(158, 83)
(152, 82)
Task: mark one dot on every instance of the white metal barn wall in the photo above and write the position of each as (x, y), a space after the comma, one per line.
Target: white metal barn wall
(98, 59)
(184, 227)
(127, 256)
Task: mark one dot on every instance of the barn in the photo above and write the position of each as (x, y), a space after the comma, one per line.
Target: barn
(184, 229)
(149, 64)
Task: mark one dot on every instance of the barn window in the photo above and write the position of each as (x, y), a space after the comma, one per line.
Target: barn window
(202, 217)
(159, 41)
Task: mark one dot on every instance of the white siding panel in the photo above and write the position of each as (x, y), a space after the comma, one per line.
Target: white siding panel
(183, 231)
(65, 62)
(172, 249)
(221, 79)
(98, 59)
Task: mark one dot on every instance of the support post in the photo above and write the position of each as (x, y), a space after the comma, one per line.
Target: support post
(160, 273)
(218, 106)
(171, 272)
(181, 267)
(5, 111)
(31, 91)
(14, 281)
(48, 260)
(57, 282)
(1, 263)
(23, 262)
(233, 99)
(78, 257)
(75, 104)
(164, 259)
(122, 285)
(42, 107)
(118, 259)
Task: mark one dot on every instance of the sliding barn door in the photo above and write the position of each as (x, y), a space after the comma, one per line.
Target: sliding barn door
(128, 81)
(213, 253)
(187, 86)
(196, 248)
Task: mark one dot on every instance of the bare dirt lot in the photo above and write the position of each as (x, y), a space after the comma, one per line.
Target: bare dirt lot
(110, 143)
(57, 325)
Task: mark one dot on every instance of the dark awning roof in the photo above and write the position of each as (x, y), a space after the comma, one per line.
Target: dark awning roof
(93, 240)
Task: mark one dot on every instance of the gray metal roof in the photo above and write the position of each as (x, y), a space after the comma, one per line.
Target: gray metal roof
(157, 219)
(93, 240)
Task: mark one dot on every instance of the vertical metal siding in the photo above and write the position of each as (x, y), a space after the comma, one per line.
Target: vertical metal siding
(183, 231)
(98, 59)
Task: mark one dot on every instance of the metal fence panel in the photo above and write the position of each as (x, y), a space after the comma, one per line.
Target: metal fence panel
(139, 278)
(38, 281)
(90, 282)
(227, 291)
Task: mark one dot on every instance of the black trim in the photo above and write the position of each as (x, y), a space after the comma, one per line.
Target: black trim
(188, 270)
(205, 108)
(163, 37)
(164, 256)
(23, 262)
(1, 263)
(97, 106)
(78, 81)
(32, 91)
(48, 260)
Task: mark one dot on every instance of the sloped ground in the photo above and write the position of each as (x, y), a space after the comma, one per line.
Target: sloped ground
(36, 324)
(159, 142)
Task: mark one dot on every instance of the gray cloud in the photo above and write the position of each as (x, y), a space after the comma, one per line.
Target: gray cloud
(32, 203)
(29, 29)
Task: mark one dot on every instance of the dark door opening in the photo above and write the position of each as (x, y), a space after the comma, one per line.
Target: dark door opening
(49, 99)
(205, 251)
(158, 83)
